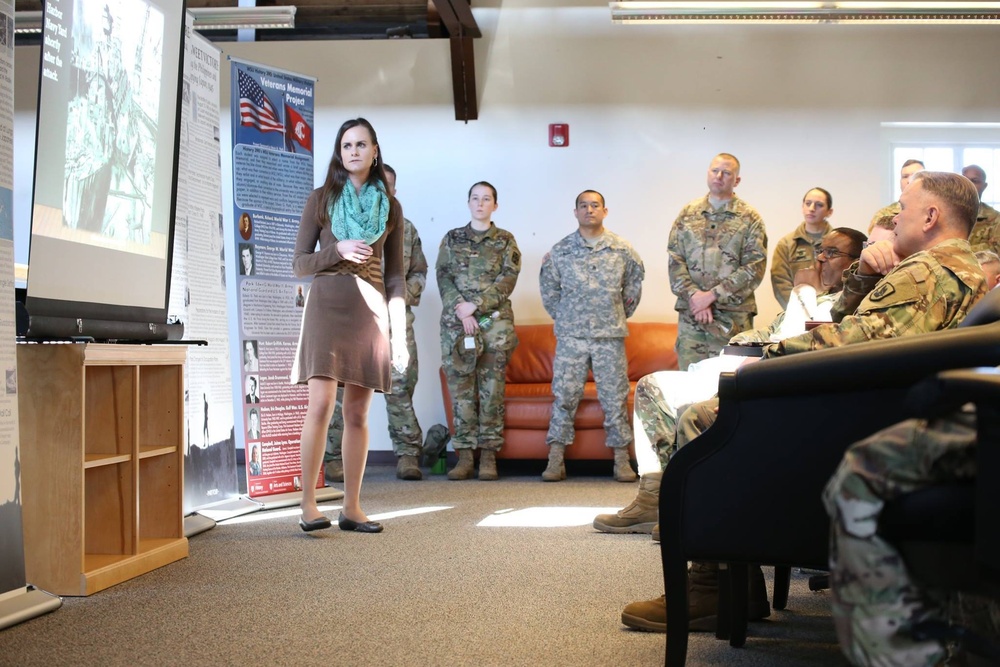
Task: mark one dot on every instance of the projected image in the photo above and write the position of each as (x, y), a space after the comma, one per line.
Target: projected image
(115, 74)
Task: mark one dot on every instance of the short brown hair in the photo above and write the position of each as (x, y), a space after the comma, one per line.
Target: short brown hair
(729, 156)
(956, 191)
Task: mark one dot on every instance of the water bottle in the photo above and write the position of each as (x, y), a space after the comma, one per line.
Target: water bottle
(486, 321)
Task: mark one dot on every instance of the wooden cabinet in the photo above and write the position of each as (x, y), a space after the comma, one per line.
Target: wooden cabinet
(102, 462)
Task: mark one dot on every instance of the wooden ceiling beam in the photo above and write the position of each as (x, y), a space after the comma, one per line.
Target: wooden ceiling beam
(461, 28)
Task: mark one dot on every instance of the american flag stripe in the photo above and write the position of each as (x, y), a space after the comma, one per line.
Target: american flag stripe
(256, 109)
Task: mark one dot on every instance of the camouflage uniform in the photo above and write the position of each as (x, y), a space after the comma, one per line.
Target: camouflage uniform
(404, 429)
(479, 268)
(661, 397)
(723, 250)
(874, 599)
(590, 291)
(793, 252)
(985, 233)
(886, 213)
(930, 290)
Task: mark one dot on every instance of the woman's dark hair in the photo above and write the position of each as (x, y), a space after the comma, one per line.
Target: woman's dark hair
(488, 185)
(826, 193)
(337, 175)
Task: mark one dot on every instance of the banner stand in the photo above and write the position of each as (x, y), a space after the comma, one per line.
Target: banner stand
(292, 498)
(195, 524)
(26, 605)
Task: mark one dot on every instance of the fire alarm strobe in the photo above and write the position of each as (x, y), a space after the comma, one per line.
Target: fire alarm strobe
(559, 135)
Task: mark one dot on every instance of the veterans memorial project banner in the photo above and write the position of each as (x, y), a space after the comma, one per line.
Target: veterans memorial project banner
(198, 285)
(272, 120)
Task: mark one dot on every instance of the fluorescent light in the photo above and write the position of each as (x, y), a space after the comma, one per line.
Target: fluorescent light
(237, 18)
(27, 23)
(797, 11)
(205, 18)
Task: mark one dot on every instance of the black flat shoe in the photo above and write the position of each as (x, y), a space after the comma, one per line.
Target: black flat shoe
(359, 526)
(315, 524)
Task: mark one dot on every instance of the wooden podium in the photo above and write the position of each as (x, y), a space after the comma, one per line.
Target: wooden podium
(102, 462)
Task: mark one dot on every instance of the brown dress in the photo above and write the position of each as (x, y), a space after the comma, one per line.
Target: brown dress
(345, 324)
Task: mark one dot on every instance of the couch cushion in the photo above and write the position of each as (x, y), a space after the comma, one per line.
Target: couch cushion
(649, 347)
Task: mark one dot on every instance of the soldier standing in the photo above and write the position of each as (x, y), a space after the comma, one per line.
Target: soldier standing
(591, 283)
(798, 249)
(404, 429)
(985, 233)
(718, 253)
(477, 268)
(887, 213)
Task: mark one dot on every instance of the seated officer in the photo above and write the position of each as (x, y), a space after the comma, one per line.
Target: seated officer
(925, 279)
(661, 397)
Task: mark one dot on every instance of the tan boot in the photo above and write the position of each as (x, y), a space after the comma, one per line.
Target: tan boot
(488, 465)
(334, 470)
(703, 597)
(408, 467)
(656, 533)
(647, 615)
(556, 470)
(466, 466)
(623, 466)
(640, 515)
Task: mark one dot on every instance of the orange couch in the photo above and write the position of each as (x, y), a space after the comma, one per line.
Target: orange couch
(528, 399)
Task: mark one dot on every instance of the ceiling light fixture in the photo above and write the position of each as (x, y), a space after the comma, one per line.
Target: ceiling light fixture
(800, 11)
(205, 18)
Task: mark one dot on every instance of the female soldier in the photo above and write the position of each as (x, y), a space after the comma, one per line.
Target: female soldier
(477, 269)
(798, 249)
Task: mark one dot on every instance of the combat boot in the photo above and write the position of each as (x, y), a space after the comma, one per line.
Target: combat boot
(407, 467)
(703, 596)
(703, 601)
(623, 466)
(334, 470)
(466, 466)
(556, 469)
(488, 465)
(640, 515)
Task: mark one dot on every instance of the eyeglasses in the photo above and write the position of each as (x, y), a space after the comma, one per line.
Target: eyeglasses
(834, 253)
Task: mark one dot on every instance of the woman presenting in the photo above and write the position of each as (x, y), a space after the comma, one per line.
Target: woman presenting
(345, 325)
(477, 269)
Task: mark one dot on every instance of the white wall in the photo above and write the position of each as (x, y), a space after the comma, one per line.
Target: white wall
(647, 106)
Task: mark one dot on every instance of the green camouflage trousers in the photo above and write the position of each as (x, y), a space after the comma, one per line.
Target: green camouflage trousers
(700, 341)
(873, 595)
(476, 381)
(574, 357)
(660, 398)
(404, 430)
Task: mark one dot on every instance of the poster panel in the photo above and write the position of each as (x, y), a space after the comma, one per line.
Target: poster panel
(198, 284)
(272, 120)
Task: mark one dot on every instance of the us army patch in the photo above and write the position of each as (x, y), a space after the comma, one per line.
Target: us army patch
(881, 292)
(516, 258)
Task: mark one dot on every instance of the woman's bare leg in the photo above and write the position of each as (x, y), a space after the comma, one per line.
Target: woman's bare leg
(355, 448)
(322, 398)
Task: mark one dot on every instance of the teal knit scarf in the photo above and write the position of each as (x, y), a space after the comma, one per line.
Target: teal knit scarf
(361, 217)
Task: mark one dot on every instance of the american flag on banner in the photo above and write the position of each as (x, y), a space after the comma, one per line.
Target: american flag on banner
(255, 109)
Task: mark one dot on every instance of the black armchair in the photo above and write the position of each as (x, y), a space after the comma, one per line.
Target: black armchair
(748, 490)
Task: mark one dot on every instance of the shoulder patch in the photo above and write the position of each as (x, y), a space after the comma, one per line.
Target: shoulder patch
(516, 258)
(881, 292)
